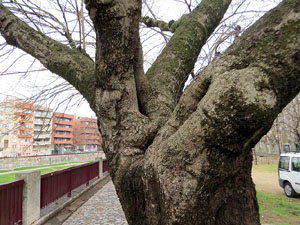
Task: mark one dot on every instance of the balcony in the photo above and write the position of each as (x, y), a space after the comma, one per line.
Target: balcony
(42, 143)
(42, 136)
(25, 136)
(22, 113)
(43, 115)
(42, 129)
(25, 128)
(62, 129)
(63, 135)
(42, 122)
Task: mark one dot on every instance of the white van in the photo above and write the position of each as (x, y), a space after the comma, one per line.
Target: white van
(289, 173)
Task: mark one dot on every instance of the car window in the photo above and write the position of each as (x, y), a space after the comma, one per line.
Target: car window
(284, 162)
(296, 164)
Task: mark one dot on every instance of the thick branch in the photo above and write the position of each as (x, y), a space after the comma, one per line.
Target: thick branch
(171, 69)
(250, 85)
(119, 67)
(268, 48)
(71, 65)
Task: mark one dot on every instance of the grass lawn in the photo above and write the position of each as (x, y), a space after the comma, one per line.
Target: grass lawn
(4, 178)
(33, 167)
(7, 178)
(272, 168)
(278, 210)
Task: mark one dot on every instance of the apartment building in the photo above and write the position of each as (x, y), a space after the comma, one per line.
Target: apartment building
(6, 127)
(25, 128)
(42, 130)
(16, 122)
(22, 135)
(86, 135)
(62, 132)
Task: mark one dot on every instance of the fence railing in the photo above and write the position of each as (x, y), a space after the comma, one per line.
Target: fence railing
(22, 204)
(11, 196)
(56, 184)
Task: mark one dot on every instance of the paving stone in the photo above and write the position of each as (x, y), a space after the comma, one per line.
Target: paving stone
(103, 208)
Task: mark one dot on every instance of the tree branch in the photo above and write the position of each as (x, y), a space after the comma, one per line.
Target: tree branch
(71, 65)
(257, 64)
(250, 85)
(162, 25)
(171, 69)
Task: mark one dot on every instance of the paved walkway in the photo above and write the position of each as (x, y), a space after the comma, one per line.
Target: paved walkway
(103, 208)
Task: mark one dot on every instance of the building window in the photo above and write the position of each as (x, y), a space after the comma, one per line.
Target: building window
(28, 132)
(55, 124)
(61, 118)
(28, 125)
(68, 126)
(27, 140)
(68, 120)
(6, 125)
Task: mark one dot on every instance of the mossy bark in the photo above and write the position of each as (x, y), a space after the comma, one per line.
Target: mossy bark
(186, 159)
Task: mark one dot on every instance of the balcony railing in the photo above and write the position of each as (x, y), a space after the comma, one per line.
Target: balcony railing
(42, 136)
(42, 143)
(42, 128)
(42, 122)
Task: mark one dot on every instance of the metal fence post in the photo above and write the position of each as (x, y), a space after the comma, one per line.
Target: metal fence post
(70, 183)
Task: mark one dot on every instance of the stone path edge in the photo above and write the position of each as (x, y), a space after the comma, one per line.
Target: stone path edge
(51, 214)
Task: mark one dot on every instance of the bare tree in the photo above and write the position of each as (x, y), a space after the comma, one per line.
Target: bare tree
(178, 157)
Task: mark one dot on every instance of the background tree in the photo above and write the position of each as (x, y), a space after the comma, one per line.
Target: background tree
(291, 121)
(178, 157)
(284, 132)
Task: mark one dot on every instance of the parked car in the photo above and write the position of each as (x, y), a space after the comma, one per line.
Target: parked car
(289, 173)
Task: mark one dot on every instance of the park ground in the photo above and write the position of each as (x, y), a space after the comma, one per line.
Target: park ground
(274, 207)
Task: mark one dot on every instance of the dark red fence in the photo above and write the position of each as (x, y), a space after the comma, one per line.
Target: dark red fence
(104, 166)
(11, 197)
(56, 184)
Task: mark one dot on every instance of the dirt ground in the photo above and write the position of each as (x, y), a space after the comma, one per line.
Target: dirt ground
(267, 182)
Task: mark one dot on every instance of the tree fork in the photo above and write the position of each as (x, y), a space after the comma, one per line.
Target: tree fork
(196, 168)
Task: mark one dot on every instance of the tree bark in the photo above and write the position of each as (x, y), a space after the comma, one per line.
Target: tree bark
(185, 158)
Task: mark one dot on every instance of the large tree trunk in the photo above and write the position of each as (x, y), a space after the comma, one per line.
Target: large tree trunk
(185, 158)
(195, 169)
